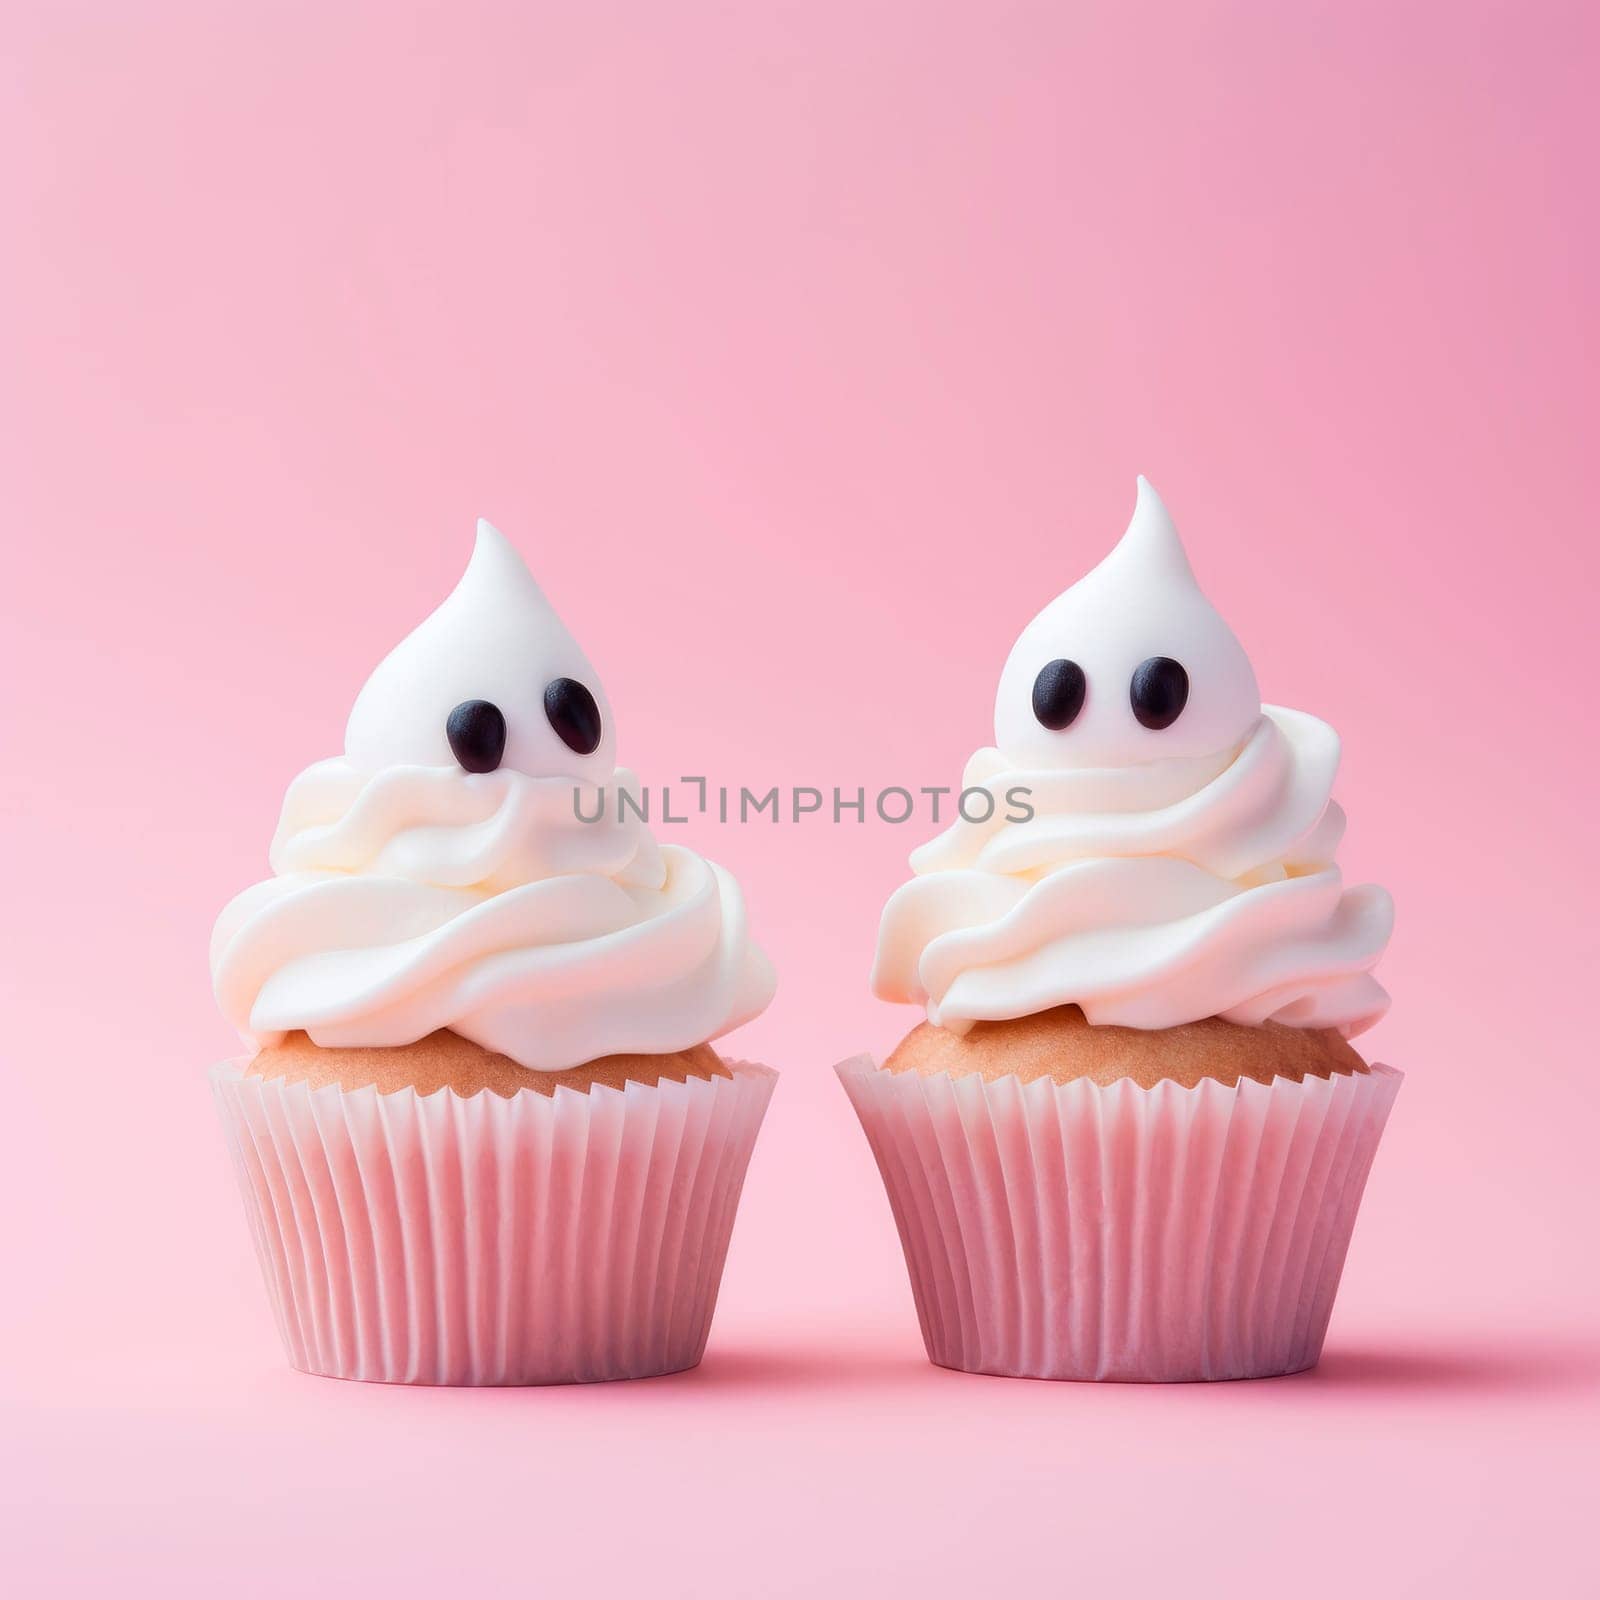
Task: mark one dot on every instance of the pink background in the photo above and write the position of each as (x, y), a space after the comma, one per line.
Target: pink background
(806, 350)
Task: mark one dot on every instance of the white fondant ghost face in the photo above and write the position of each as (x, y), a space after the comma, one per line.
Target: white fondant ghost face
(1141, 602)
(495, 638)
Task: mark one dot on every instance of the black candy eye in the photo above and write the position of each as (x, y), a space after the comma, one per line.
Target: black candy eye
(1159, 691)
(573, 714)
(477, 734)
(1058, 693)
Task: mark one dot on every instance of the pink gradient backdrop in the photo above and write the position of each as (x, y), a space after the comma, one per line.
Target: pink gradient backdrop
(806, 350)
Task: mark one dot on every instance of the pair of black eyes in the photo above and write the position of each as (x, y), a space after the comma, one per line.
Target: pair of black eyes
(477, 728)
(1158, 692)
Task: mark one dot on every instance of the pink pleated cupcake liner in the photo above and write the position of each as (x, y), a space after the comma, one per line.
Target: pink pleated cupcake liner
(439, 1239)
(1146, 1235)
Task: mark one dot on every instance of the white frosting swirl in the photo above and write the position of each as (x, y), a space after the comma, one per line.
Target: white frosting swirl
(1178, 880)
(411, 895)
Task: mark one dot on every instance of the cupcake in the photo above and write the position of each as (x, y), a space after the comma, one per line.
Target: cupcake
(1130, 1138)
(481, 1132)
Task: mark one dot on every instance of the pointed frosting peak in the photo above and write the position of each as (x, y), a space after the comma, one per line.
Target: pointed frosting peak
(495, 638)
(496, 563)
(1149, 550)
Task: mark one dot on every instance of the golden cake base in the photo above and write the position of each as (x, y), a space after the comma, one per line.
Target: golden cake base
(445, 1060)
(1062, 1045)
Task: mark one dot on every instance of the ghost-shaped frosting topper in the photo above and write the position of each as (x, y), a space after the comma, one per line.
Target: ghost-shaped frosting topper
(1131, 665)
(492, 678)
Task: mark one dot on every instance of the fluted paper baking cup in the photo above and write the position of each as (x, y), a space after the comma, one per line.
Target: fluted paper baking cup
(1112, 1232)
(561, 1238)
